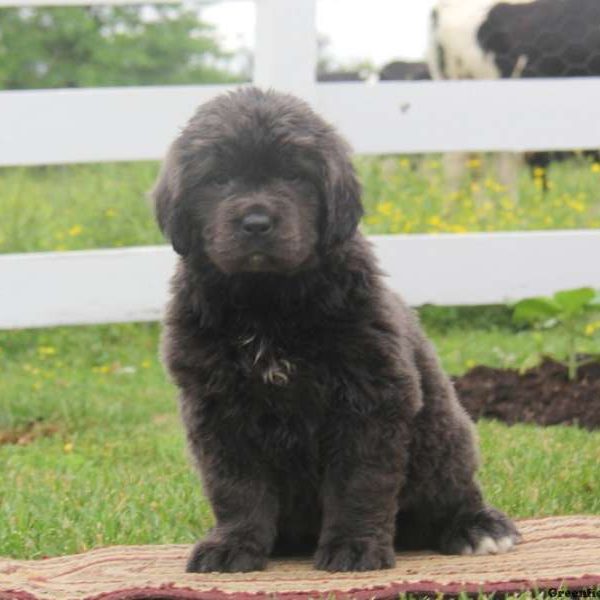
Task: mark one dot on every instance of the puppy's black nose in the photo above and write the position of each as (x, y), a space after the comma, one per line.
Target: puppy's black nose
(257, 224)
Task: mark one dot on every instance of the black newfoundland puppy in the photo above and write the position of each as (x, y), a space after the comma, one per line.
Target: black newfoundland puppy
(315, 408)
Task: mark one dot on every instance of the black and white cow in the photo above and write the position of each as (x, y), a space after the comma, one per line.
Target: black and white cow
(491, 39)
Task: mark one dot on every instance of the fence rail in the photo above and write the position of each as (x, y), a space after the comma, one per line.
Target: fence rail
(106, 286)
(72, 126)
(118, 124)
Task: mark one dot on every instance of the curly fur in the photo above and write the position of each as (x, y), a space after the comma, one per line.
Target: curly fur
(314, 406)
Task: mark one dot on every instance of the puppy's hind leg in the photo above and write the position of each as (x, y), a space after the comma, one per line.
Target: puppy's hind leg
(444, 464)
(483, 531)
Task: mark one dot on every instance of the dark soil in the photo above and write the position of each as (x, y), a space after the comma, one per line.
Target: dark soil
(542, 395)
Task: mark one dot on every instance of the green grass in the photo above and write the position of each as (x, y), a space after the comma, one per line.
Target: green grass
(91, 449)
(409, 196)
(108, 465)
(76, 207)
(104, 205)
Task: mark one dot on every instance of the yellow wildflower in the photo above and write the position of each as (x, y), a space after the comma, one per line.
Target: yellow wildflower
(474, 163)
(110, 213)
(591, 328)
(385, 208)
(539, 172)
(68, 447)
(596, 168)
(146, 364)
(75, 230)
(435, 221)
(46, 350)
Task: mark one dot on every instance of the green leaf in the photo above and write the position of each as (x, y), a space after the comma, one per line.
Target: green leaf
(535, 310)
(573, 302)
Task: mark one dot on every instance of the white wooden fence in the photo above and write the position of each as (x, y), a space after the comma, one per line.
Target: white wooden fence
(85, 125)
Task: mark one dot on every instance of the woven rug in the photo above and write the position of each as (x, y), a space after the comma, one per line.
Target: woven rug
(556, 551)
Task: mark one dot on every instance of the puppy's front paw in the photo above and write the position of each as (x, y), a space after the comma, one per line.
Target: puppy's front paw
(354, 555)
(208, 556)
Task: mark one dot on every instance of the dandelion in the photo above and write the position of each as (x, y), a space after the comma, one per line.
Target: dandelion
(539, 172)
(46, 350)
(435, 221)
(596, 168)
(385, 208)
(591, 328)
(146, 364)
(469, 363)
(474, 163)
(75, 230)
(68, 447)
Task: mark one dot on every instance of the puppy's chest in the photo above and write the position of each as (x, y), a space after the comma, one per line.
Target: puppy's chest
(268, 362)
(286, 404)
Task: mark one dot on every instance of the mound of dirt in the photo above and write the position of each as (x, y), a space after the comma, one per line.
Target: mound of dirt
(542, 395)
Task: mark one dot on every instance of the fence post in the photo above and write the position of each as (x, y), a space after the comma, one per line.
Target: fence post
(286, 46)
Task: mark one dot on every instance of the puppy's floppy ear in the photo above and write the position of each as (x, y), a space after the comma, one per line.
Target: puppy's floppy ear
(343, 208)
(169, 206)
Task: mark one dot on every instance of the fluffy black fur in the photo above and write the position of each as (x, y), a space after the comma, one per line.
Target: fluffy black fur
(315, 408)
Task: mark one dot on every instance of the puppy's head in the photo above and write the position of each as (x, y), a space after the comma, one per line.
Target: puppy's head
(257, 182)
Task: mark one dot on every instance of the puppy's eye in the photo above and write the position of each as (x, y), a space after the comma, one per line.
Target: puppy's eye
(220, 179)
(292, 176)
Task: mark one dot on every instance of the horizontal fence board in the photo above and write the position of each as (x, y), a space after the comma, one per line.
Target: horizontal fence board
(95, 125)
(93, 286)
(137, 123)
(41, 3)
(442, 116)
(108, 286)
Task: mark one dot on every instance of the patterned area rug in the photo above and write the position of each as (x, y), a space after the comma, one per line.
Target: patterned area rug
(555, 551)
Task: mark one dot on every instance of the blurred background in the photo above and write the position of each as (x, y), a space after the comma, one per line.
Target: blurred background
(90, 445)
